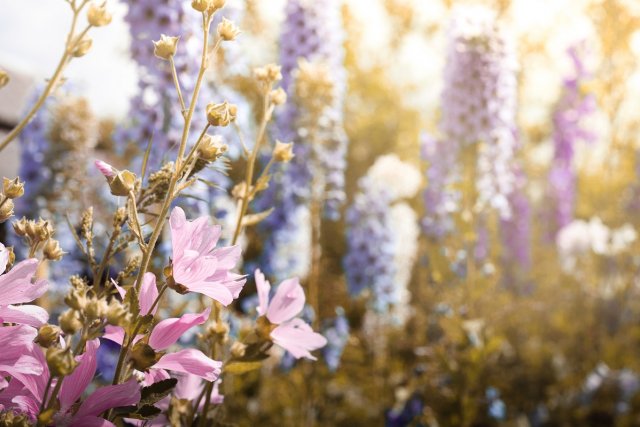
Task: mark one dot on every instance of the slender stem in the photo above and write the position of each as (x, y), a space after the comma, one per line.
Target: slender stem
(268, 110)
(46, 393)
(176, 82)
(64, 60)
(123, 353)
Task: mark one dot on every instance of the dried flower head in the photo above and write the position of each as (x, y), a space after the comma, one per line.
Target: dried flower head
(166, 47)
(201, 5)
(283, 152)
(98, 16)
(268, 74)
(278, 96)
(227, 30)
(12, 188)
(221, 114)
(211, 148)
(52, 250)
(6, 210)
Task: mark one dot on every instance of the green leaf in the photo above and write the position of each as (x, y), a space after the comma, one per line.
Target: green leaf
(238, 367)
(146, 412)
(156, 391)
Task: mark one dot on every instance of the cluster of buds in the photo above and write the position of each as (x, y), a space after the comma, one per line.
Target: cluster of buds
(166, 47)
(98, 16)
(89, 310)
(121, 182)
(227, 30)
(159, 181)
(267, 76)
(208, 6)
(11, 189)
(39, 234)
(221, 114)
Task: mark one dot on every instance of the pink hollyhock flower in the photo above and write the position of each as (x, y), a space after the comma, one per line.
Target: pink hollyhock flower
(197, 266)
(292, 334)
(18, 286)
(25, 392)
(165, 334)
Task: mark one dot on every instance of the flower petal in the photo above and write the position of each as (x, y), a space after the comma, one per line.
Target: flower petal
(111, 396)
(31, 315)
(263, 287)
(287, 302)
(73, 385)
(298, 338)
(16, 286)
(168, 331)
(191, 361)
(148, 294)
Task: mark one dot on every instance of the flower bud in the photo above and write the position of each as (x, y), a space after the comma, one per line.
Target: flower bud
(60, 361)
(12, 188)
(268, 74)
(123, 183)
(70, 322)
(166, 47)
(221, 114)
(211, 148)
(20, 227)
(227, 30)
(105, 169)
(6, 210)
(44, 231)
(4, 78)
(143, 356)
(52, 250)
(82, 47)
(48, 335)
(116, 313)
(76, 299)
(239, 191)
(98, 16)
(96, 309)
(11, 259)
(278, 96)
(201, 5)
(215, 5)
(283, 152)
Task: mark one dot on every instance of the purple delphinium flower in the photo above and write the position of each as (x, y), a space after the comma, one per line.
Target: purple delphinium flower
(370, 245)
(516, 230)
(337, 333)
(479, 101)
(312, 30)
(569, 119)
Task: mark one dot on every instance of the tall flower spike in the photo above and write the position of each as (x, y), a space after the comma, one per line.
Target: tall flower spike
(479, 101)
(569, 128)
(313, 31)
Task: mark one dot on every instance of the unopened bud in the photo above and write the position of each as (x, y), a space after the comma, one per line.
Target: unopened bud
(95, 309)
(48, 335)
(12, 188)
(201, 5)
(283, 152)
(166, 47)
(4, 78)
(116, 313)
(44, 230)
(76, 299)
(60, 361)
(123, 183)
(268, 74)
(221, 114)
(227, 30)
(143, 356)
(278, 96)
(6, 210)
(52, 250)
(98, 16)
(20, 227)
(70, 322)
(215, 5)
(82, 47)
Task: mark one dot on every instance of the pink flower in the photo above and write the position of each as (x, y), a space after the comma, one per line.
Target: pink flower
(166, 333)
(292, 334)
(197, 266)
(25, 392)
(18, 287)
(105, 169)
